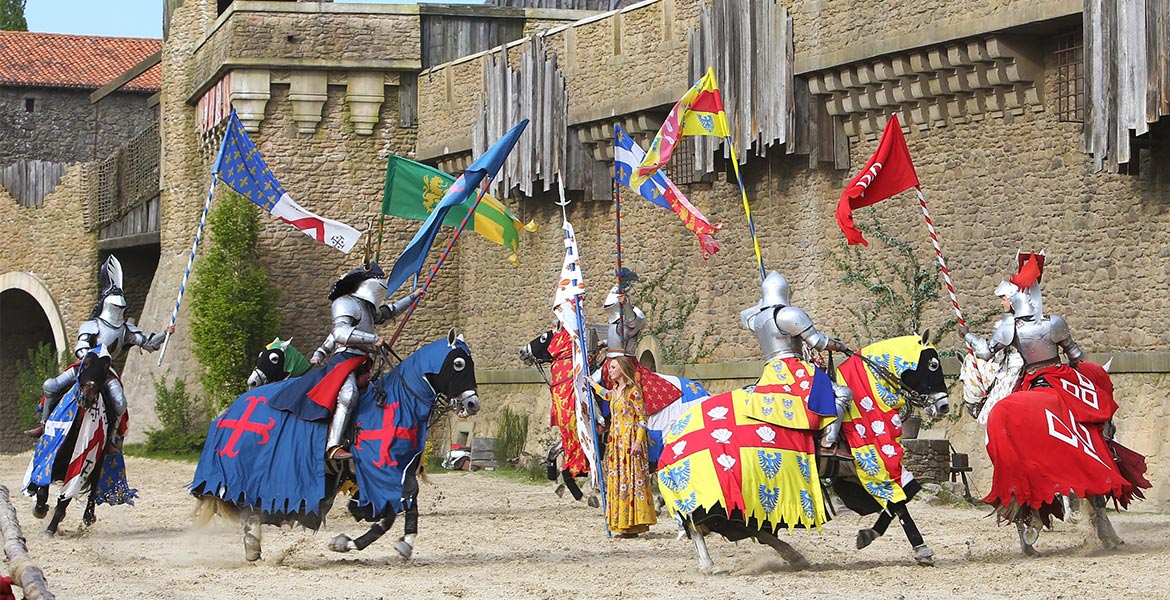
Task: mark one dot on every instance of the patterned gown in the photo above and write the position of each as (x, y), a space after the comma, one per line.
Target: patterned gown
(628, 496)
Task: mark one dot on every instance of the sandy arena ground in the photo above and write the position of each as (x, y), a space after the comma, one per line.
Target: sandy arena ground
(485, 537)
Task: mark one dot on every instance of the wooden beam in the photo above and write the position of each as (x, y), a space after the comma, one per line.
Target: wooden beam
(126, 77)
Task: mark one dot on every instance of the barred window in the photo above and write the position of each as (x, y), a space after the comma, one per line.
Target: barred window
(681, 167)
(1070, 77)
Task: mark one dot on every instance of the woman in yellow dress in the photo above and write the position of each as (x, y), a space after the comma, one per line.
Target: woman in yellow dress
(629, 501)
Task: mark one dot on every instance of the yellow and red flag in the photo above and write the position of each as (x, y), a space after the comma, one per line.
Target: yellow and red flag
(698, 112)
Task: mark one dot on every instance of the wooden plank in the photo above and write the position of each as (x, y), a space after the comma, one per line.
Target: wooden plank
(126, 77)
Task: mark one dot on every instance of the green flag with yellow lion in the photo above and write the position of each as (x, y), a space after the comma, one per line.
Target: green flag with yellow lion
(414, 189)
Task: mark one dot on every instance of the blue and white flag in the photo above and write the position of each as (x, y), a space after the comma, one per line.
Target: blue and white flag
(660, 190)
(241, 167)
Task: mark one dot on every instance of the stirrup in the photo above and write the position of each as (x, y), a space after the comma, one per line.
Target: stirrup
(338, 453)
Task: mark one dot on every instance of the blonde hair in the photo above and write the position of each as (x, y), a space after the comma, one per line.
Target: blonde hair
(625, 368)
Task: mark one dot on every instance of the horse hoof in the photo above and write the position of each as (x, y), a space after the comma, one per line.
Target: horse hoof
(404, 549)
(251, 554)
(89, 519)
(48, 534)
(866, 537)
(341, 543)
(924, 556)
(593, 503)
(40, 511)
(560, 491)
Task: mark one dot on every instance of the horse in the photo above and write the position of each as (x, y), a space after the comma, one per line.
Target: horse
(667, 396)
(870, 477)
(278, 361)
(743, 464)
(75, 452)
(555, 348)
(1049, 437)
(246, 469)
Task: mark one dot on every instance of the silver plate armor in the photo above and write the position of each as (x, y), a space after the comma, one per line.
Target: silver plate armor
(1039, 341)
(113, 310)
(114, 339)
(619, 339)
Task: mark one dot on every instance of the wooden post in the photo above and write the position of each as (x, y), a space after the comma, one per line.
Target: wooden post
(23, 570)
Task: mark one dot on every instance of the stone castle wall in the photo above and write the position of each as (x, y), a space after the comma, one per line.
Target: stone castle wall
(992, 186)
(65, 127)
(49, 244)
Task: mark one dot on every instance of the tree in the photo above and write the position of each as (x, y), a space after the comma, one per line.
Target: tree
(12, 15)
(233, 302)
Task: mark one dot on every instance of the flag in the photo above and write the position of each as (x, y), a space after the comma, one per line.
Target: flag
(242, 168)
(410, 262)
(413, 190)
(660, 190)
(888, 172)
(698, 112)
(567, 308)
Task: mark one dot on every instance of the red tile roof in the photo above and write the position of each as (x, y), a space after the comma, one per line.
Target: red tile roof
(75, 61)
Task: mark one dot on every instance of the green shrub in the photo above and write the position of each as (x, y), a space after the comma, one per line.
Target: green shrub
(233, 303)
(183, 417)
(511, 436)
(41, 365)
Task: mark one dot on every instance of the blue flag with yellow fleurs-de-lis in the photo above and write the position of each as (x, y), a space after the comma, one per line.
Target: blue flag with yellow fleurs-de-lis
(240, 166)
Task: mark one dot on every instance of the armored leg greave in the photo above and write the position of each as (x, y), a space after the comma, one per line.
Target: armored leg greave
(345, 399)
(115, 401)
(843, 398)
(54, 388)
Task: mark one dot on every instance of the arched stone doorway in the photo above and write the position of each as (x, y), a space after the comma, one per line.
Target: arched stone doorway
(28, 318)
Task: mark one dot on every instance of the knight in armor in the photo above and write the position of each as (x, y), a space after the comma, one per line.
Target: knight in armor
(107, 328)
(626, 321)
(358, 305)
(1039, 338)
(783, 330)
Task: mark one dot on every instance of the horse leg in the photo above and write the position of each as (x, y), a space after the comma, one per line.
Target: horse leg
(89, 517)
(923, 555)
(706, 565)
(251, 522)
(569, 483)
(41, 506)
(1100, 517)
(787, 552)
(1029, 535)
(405, 544)
(58, 516)
(866, 537)
(343, 543)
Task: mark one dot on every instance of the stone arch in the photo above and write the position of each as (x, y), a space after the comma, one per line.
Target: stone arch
(649, 352)
(28, 283)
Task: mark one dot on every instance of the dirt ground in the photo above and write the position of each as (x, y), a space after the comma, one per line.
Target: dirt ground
(487, 537)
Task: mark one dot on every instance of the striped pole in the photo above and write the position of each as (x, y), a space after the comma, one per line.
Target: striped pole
(442, 257)
(190, 262)
(941, 262)
(747, 211)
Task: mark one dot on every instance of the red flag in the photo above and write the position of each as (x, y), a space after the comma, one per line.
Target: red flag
(888, 172)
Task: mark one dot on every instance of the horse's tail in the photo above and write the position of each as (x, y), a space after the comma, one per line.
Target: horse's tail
(207, 507)
(422, 472)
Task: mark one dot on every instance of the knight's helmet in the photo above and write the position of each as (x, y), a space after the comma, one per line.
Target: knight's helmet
(112, 306)
(367, 282)
(775, 294)
(1023, 289)
(634, 319)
